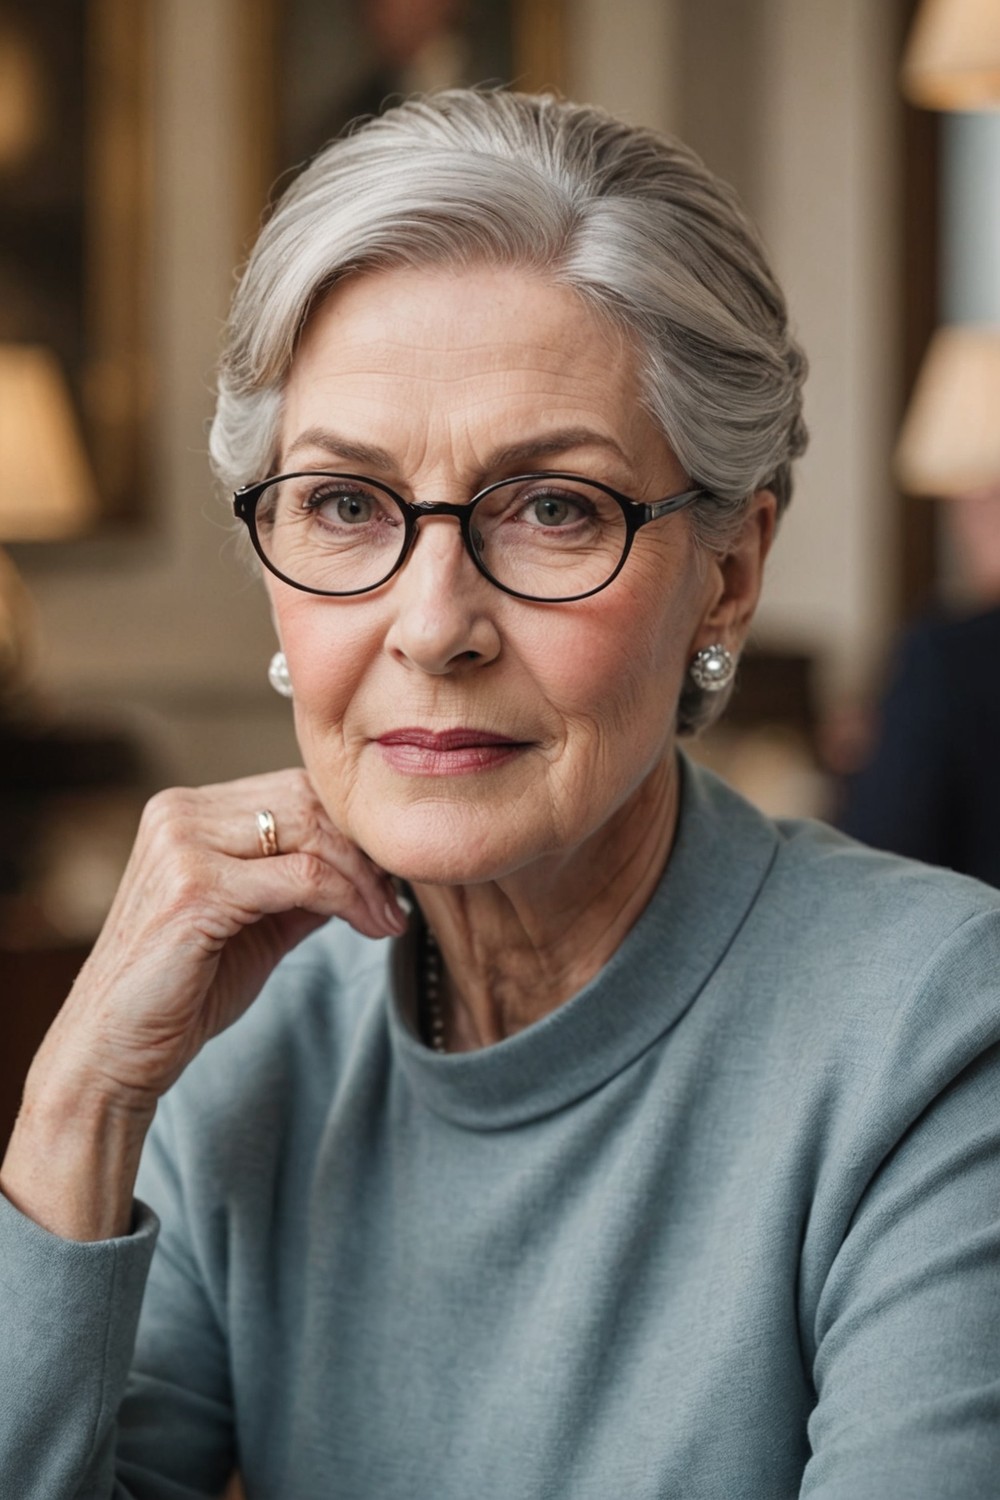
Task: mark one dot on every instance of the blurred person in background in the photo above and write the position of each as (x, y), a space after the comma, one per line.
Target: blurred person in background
(928, 786)
(651, 1148)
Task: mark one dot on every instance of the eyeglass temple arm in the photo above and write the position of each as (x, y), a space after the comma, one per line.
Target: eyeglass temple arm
(659, 508)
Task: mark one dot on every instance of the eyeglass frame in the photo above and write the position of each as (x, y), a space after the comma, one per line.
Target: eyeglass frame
(636, 514)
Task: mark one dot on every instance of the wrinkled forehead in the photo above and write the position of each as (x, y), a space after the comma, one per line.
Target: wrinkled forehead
(459, 312)
(442, 357)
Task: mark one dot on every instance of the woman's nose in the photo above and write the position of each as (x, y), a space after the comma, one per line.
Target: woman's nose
(443, 606)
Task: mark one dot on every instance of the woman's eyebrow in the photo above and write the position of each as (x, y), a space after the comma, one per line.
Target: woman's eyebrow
(548, 444)
(511, 455)
(365, 455)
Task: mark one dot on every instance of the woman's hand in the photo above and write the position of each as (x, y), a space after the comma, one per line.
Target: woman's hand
(201, 918)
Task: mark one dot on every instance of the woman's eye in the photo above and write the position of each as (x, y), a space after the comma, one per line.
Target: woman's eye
(354, 509)
(554, 510)
(347, 508)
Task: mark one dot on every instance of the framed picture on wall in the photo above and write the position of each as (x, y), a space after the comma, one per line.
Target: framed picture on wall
(311, 66)
(75, 217)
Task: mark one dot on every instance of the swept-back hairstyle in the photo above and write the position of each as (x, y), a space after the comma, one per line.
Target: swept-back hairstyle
(631, 220)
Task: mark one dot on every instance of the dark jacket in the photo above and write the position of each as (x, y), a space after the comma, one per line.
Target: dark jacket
(931, 788)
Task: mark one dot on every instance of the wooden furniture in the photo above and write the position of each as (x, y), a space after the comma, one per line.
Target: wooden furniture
(69, 798)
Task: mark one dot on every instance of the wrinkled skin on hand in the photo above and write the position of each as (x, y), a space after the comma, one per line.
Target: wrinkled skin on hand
(199, 922)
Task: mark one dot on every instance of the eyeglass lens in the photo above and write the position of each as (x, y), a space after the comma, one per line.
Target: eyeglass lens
(548, 538)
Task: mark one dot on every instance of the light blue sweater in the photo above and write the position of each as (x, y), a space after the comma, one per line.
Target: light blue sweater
(726, 1226)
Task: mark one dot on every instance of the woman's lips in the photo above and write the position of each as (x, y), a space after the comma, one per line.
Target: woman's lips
(447, 752)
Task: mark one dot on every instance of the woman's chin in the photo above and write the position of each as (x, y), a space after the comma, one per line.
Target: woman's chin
(447, 867)
(457, 856)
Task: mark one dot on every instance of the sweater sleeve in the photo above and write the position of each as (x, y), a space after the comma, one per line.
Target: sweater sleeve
(907, 1328)
(175, 1427)
(69, 1315)
(114, 1374)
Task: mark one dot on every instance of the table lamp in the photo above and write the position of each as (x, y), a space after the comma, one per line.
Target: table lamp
(952, 57)
(47, 490)
(950, 440)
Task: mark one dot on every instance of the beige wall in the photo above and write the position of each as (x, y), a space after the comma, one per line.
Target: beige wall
(826, 189)
(623, 54)
(166, 632)
(794, 103)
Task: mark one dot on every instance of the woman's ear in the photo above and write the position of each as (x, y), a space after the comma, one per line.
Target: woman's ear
(737, 575)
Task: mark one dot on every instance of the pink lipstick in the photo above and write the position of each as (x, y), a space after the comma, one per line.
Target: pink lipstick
(447, 752)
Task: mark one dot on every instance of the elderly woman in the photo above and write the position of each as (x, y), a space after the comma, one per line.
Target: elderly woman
(647, 1148)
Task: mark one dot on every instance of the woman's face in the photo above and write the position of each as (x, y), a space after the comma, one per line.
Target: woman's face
(436, 383)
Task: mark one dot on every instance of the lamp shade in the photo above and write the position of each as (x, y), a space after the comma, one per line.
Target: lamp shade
(47, 489)
(950, 440)
(952, 58)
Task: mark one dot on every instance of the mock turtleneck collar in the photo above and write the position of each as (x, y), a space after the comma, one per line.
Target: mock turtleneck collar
(722, 852)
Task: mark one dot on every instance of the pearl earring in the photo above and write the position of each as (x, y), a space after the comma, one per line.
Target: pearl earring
(278, 675)
(713, 668)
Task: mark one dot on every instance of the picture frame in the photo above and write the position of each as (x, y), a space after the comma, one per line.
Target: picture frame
(285, 65)
(76, 182)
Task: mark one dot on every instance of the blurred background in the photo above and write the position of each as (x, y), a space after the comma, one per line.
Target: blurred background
(139, 143)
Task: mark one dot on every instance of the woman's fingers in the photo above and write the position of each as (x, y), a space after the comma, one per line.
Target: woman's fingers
(224, 819)
(308, 882)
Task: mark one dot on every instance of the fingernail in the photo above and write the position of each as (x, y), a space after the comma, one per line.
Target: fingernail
(398, 893)
(395, 916)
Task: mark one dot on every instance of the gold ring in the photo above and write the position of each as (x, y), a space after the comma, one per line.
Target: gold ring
(267, 833)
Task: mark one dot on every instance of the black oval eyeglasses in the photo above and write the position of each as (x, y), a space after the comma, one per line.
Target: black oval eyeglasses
(548, 537)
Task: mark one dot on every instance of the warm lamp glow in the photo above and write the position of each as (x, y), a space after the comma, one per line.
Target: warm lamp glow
(22, 100)
(952, 59)
(46, 487)
(950, 442)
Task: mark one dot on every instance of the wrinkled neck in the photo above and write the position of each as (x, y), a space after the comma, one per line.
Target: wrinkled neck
(514, 949)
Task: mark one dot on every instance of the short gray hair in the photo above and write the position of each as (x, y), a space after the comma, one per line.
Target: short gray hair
(632, 220)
